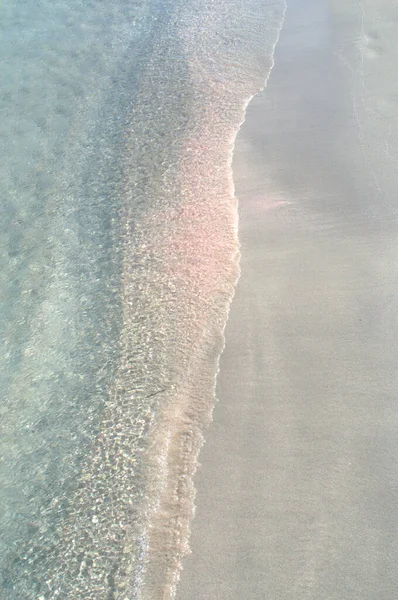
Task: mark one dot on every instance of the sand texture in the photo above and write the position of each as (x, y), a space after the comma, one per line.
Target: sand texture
(297, 489)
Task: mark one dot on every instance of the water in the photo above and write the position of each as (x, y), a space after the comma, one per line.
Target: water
(119, 258)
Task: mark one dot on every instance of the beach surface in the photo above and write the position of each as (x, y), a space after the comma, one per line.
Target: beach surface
(296, 492)
(119, 260)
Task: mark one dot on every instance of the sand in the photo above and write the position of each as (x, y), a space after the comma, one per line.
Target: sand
(296, 492)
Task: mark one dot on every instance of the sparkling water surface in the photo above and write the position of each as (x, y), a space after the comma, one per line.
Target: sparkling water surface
(67, 77)
(118, 260)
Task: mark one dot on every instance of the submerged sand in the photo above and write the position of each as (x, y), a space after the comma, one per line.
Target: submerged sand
(296, 493)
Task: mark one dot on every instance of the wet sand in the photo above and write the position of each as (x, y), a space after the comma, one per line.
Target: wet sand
(296, 492)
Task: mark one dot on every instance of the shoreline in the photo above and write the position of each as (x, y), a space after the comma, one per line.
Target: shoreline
(295, 487)
(177, 435)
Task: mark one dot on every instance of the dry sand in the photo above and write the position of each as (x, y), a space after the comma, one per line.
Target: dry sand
(297, 489)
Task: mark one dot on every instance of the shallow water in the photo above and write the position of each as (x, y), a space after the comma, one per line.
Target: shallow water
(119, 258)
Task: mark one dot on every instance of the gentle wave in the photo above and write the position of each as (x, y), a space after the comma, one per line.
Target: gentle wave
(200, 256)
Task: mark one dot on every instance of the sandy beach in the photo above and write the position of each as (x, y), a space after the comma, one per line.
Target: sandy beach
(125, 156)
(296, 492)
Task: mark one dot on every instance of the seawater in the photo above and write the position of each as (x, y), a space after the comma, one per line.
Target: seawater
(119, 258)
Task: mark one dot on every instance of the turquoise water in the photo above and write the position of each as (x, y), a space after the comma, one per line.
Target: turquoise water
(119, 257)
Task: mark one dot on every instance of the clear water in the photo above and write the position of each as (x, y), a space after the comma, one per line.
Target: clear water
(118, 262)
